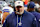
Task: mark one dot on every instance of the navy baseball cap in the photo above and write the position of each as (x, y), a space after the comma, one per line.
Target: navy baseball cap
(31, 4)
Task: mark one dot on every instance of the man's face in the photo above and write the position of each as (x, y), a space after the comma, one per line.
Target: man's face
(30, 9)
(19, 9)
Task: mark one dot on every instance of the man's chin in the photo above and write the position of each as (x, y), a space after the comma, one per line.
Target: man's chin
(19, 13)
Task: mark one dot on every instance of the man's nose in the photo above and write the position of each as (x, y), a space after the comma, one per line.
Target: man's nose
(19, 9)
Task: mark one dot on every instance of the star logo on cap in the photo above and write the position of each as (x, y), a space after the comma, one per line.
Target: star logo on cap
(18, 2)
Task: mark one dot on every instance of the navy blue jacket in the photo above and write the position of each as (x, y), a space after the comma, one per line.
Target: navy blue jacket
(28, 20)
(38, 19)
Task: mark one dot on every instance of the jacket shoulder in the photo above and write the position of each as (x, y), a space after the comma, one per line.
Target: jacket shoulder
(29, 14)
(10, 15)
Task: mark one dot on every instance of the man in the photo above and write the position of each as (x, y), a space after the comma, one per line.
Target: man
(20, 18)
(2, 4)
(38, 16)
(31, 9)
(5, 12)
